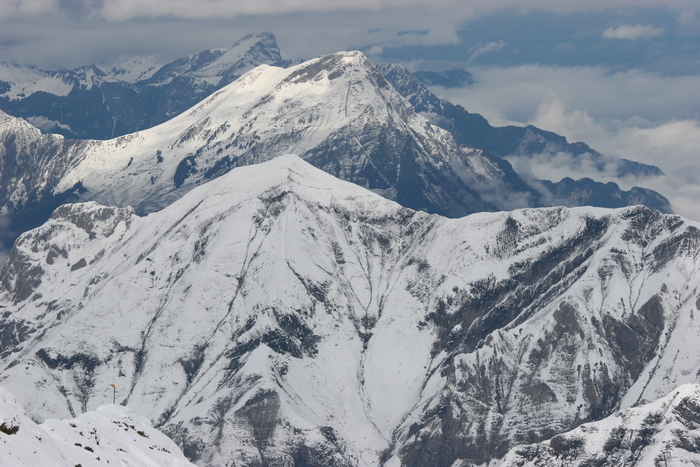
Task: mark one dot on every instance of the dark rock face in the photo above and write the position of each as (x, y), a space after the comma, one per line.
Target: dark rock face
(38, 161)
(399, 169)
(586, 192)
(470, 419)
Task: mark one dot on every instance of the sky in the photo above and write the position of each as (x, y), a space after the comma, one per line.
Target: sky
(623, 79)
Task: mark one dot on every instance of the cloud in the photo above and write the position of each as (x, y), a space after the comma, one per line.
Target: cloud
(124, 10)
(672, 146)
(514, 94)
(632, 33)
(636, 115)
(27, 8)
(688, 18)
(486, 49)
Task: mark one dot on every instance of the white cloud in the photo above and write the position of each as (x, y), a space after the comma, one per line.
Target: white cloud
(688, 18)
(122, 10)
(632, 33)
(634, 115)
(26, 8)
(486, 49)
(514, 94)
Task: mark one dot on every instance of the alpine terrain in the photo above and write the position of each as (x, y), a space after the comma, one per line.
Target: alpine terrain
(279, 316)
(101, 102)
(109, 435)
(664, 432)
(474, 130)
(338, 112)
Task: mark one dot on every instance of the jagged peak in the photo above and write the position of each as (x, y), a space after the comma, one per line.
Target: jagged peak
(350, 65)
(266, 38)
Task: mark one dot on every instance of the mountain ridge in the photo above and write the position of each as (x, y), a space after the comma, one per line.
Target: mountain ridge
(109, 434)
(95, 102)
(336, 111)
(474, 130)
(262, 298)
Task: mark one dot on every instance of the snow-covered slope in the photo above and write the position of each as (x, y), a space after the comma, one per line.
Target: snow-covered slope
(218, 67)
(511, 141)
(110, 435)
(335, 111)
(665, 432)
(129, 94)
(279, 315)
(133, 69)
(18, 81)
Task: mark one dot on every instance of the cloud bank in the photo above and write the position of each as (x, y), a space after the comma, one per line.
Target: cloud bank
(123, 10)
(632, 33)
(634, 115)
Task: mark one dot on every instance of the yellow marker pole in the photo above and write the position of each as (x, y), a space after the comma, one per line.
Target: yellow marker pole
(114, 392)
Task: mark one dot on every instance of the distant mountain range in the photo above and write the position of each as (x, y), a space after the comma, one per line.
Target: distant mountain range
(475, 131)
(280, 316)
(263, 312)
(338, 112)
(135, 94)
(97, 102)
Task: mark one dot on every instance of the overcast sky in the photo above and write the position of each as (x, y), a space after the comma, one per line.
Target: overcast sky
(625, 80)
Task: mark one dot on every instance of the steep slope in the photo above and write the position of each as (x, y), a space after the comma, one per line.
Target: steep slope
(336, 111)
(278, 315)
(665, 432)
(19, 81)
(109, 435)
(31, 165)
(133, 69)
(96, 102)
(213, 69)
(475, 131)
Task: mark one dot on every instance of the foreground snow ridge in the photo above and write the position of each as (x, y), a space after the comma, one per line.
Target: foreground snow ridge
(280, 316)
(110, 435)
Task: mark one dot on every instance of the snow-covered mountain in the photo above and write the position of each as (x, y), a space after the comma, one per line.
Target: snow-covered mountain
(129, 94)
(665, 432)
(19, 81)
(335, 111)
(510, 141)
(109, 435)
(280, 316)
(213, 69)
(133, 69)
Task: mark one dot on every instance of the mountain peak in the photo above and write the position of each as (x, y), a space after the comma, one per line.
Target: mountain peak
(259, 300)
(266, 39)
(353, 64)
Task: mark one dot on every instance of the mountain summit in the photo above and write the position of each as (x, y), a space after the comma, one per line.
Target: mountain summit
(263, 318)
(337, 112)
(103, 102)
